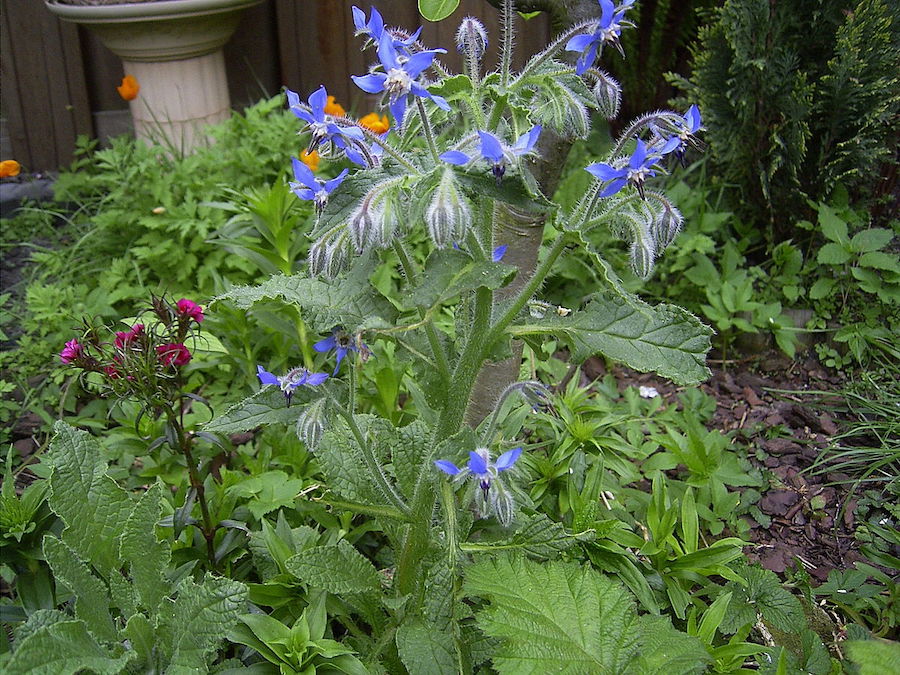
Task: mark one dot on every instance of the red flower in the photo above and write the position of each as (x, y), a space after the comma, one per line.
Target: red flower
(190, 309)
(111, 372)
(123, 337)
(71, 351)
(173, 353)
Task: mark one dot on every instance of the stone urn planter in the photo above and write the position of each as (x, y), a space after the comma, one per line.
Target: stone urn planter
(174, 50)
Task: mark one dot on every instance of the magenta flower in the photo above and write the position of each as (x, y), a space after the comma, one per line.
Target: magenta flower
(123, 338)
(72, 351)
(190, 309)
(173, 353)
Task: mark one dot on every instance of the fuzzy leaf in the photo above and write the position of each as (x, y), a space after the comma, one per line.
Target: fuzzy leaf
(764, 594)
(664, 339)
(833, 254)
(426, 651)
(89, 502)
(341, 459)
(874, 657)
(196, 622)
(667, 651)
(412, 454)
(512, 190)
(336, 568)
(449, 273)
(539, 537)
(554, 617)
(268, 491)
(147, 555)
(266, 406)
(65, 648)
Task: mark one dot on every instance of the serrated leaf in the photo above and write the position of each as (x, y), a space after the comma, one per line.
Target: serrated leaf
(513, 190)
(89, 502)
(880, 261)
(139, 631)
(268, 491)
(350, 300)
(821, 288)
(37, 620)
(65, 648)
(147, 556)
(411, 455)
(266, 406)
(452, 88)
(437, 10)
(554, 617)
(833, 254)
(341, 459)
(336, 568)
(664, 339)
(833, 226)
(667, 651)
(426, 651)
(764, 594)
(872, 239)
(197, 621)
(449, 273)
(874, 657)
(91, 596)
(538, 537)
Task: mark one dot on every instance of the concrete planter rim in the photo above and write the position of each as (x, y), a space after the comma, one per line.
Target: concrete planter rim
(143, 11)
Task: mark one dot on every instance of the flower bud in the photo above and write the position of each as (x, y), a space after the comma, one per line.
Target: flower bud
(642, 251)
(666, 226)
(608, 94)
(471, 38)
(311, 423)
(447, 217)
(362, 225)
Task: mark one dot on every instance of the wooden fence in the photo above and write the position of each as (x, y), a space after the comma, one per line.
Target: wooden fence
(57, 77)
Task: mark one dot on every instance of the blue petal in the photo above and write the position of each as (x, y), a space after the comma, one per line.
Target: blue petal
(579, 43)
(325, 345)
(302, 193)
(293, 98)
(303, 174)
(304, 115)
(317, 101)
(613, 187)
(455, 157)
(447, 467)
(371, 84)
(477, 464)
(587, 59)
(386, 52)
(499, 252)
(672, 144)
(376, 24)
(603, 171)
(418, 62)
(692, 118)
(359, 18)
(526, 141)
(639, 156)
(265, 376)
(439, 101)
(607, 9)
(330, 185)
(491, 147)
(507, 459)
(398, 110)
(315, 379)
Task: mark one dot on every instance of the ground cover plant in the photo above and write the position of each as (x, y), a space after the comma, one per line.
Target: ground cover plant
(381, 505)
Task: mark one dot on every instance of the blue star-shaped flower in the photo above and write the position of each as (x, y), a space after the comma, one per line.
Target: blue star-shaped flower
(322, 126)
(639, 168)
(296, 377)
(398, 80)
(687, 126)
(494, 151)
(374, 28)
(341, 342)
(310, 188)
(607, 30)
(492, 495)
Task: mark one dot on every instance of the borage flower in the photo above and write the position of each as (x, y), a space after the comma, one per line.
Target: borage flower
(374, 29)
(341, 342)
(173, 354)
(686, 129)
(311, 188)
(322, 126)
(640, 167)
(398, 81)
(496, 152)
(491, 495)
(606, 31)
(295, 377)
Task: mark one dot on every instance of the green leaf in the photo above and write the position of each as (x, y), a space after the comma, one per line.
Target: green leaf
(554, 617)
(539, 537)
(449, 273)
(872, 239)
(833, 226)
(64, 648)
(437, 10)
(880, 261)
(667, 651)
(140, 632)
(89, 502)
(764, 594)
(341, 458)
(821, 288)
(336, 568)
(665, 339)
(197, 621)
(833, 254)
(91, 596)
(874, 657)
(147, 556)
(425, 651)
(411, 455)
(266, 406)
(268, 491)
(513, 191)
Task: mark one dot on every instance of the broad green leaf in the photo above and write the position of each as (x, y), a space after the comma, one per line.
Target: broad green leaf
(42, 618)
(764, 594)
(437, 10)
(266, 406)
(880, 261)
(554, 617)
(449, 273)
(140, 632)
(336, 568)
(874, 657)
(91, 596)
(512, 190)
(872, 239)
(539, 537)
(821, 288)
(268, 491)
(341, 458)
(89, 502)
(147, 556)
(411, 454)
(665, 339)
(833, 226)
(452, 88)
(64, 648)
(667, 651)
(833, 254)
(197, 621)
(426, 651)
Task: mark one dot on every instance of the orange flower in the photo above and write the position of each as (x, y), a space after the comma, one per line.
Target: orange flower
(375, 123)
(129, 88)
(336, 109)
(9, 168)
(311, 159)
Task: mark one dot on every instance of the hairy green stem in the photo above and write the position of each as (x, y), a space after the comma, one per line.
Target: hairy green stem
(426, 127)
(506, 49)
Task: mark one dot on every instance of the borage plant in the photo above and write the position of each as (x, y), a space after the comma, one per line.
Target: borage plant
(460, 164)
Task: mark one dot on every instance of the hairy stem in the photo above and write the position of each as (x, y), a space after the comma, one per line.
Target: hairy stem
(426, 127)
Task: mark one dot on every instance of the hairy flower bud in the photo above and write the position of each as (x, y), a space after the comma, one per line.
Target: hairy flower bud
(472, 41)
(447, 216)
(608, 94)
(666, 226)
(311, 423)
(642, 251)
(362, 225)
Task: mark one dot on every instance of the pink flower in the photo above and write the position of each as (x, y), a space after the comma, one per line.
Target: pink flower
(173, 353)
(123, 337)
(111, 372)
(71, 351)
(190, 309)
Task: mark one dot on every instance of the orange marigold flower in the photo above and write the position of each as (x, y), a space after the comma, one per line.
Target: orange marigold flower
(129, 88)
(336, 109)
(9, 168)
(311, 159)
(375, 123)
